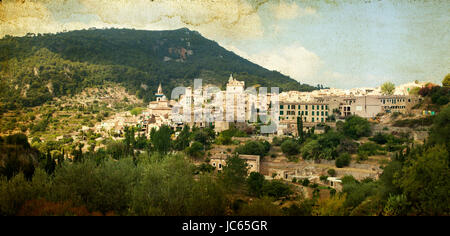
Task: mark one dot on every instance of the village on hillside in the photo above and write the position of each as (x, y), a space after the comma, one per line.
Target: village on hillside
(315, 111)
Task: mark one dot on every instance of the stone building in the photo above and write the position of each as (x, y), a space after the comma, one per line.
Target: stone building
(253, 162)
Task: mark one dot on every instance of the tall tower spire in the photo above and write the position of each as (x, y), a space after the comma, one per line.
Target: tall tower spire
(159, 94)
(160, 91)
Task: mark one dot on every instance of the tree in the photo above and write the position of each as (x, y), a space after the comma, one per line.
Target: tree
(300, 127)
(343, 160)
(50, 164)
(332, 172)
(183, 139)
(136, 111)
(333, 206)
(260, 207)
(255, 183)
(290, 147)
(253, 148)
(446, 81)
(161, 139)
(388, 88)
(440, 131)
(311, 150)
(117, 149)
(425, 180)
(276, 189)
(234, 172)
(356, 127)
(195, 150)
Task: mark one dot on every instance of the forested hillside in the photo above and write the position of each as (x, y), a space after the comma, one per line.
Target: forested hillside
(36, 68)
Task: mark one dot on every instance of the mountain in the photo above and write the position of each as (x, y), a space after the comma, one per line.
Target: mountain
(36, 68)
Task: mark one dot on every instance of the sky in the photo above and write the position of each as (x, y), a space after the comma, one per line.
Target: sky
(341, 44)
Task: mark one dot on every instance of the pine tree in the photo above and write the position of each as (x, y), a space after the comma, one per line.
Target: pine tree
(300, 128)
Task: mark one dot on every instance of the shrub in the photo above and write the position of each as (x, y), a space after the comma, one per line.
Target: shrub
(332, 172)
(368, 149)
(195, 150)
(253, 148)
(290, 147)
(356, 127)
(343, 160)
(276, 189)
(305, 182)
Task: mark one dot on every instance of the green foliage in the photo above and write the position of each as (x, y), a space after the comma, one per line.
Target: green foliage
(255, 183)
(136, 111)
(343, 160)
(105, 187)
(440, 131)
(168, 188)
(117, 149)
(234, 173)
(396, 205)
(446, 81)
(425, 180)
(276, 141)
(356, 127)
(305, 208)
(387, 88)
(161, 139)
(16, 155)
(358, 192)
(369, 149)
(332, 172)
(414, 123)
(379, 138)
(276, 189)
(326, 146)
(290, 147)
(195, 150)
(254, 148)
(305, 182)
(205, 136)
(205, 168)
(260, 207)
(183, 139)
(323, 178)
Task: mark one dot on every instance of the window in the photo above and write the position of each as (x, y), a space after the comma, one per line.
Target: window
(326, 113)
(281, 106)
(214, 164)
(306, 107)
(312, 112)
(220, 165)
(321, 119)
(306, 112)
(322, 107)
(317, 107)
(321, 113)
(312, 120)
(281, 112)
(326, 107)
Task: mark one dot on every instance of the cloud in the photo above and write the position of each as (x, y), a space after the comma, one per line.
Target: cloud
(291, 11)
(294, 61)
(216, 19)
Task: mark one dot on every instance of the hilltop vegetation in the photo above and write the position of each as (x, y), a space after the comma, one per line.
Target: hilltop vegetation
(34, 69)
